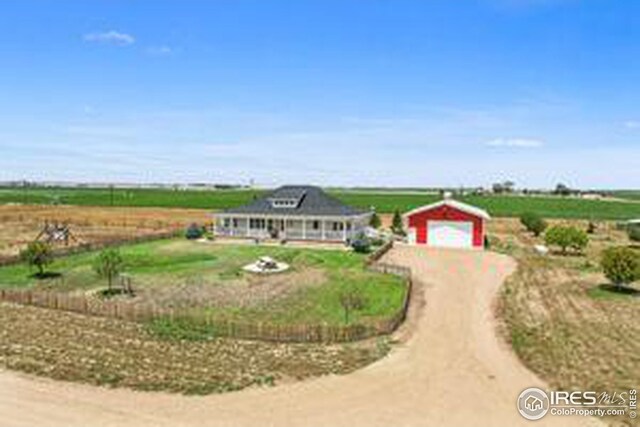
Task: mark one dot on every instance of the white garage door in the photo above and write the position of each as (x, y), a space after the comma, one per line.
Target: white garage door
(450, 234)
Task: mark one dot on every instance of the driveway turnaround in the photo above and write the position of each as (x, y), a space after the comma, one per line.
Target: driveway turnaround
(450, 370)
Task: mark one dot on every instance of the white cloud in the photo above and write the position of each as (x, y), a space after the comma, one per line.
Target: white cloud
(632, 124)
(111, 37)
(515, 142)
(159, 50)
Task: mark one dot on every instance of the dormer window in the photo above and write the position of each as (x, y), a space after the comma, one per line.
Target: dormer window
(284, 203)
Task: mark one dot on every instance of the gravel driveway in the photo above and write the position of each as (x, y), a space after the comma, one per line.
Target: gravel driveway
(452, 370)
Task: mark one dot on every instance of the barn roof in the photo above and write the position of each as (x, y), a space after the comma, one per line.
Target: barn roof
(472, 210)
(306, 200)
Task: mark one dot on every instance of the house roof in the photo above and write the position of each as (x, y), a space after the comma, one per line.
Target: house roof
(472, 210)
(310, 201)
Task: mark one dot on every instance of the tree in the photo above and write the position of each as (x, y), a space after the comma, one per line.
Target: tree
(37, 254)
(375, 221)
(566, 237)
(533, 223)
(396, 223)
(621, 265)
(108, 265)
(562, 190)
(351, 299)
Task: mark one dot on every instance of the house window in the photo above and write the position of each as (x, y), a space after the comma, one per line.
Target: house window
(257, 223)
(338, 226)
(235, 223)
(348, 226)
(316, 225)
(226, 223)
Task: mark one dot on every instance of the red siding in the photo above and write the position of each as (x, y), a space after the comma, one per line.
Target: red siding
(446, 213)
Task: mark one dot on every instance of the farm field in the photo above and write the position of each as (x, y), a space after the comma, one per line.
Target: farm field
(205, 276)
(628, 194)
(562, 320)
(20, 224)
(383, 201)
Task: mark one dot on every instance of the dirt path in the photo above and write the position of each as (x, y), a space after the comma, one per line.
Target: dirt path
(452, 371)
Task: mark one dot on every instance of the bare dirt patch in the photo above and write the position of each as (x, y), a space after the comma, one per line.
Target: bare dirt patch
(114, 353)
(249, 291)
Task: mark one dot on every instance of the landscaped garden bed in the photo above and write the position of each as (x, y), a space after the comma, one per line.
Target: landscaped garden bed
(208, 279)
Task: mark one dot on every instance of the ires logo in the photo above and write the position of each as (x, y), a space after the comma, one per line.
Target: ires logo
(534, 403)
(573, 398)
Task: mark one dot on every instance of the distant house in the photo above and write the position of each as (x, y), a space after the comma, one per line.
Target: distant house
(293, 213)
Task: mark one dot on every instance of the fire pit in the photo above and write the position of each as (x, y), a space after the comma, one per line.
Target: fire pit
(266, 265)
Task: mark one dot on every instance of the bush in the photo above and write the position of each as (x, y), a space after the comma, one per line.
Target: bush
(194, 231)
(533, 223)
(621, 265)
(566, 237)
(37, 254)
(361, 244)
(633, 231)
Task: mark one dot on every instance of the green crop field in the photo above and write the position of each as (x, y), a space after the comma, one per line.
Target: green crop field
(383, 202)
(627, 194)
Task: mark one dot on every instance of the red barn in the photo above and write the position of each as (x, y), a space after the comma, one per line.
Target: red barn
(448, 224)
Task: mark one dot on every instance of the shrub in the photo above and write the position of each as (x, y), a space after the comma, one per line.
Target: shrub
(351, 299)
(375, 221)
(37, 254)
(621, 265)
(108, 264)
(396, 224)
(361, 244)
(633, 231)
(194, 231)
(566, 237)
(533, 223)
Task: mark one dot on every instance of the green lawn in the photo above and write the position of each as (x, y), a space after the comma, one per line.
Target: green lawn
(178, 263)
(384, 202)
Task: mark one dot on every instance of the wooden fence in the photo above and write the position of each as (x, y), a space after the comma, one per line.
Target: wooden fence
(122, 309)
(379, 253)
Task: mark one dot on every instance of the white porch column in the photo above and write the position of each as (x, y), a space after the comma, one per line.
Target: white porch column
(304, 229)
(344, 231)
(323, 236)
(248, 229)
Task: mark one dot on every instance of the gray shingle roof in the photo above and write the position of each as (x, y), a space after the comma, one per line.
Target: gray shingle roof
(312, 201)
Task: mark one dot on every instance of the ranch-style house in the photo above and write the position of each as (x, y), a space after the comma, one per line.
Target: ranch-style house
(293, 213)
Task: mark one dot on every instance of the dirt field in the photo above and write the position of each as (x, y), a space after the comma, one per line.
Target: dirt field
(452, 371)
(562, 324)
(20, 224)
(110, 352)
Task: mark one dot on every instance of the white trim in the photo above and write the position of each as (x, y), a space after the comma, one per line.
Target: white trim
(472, 210)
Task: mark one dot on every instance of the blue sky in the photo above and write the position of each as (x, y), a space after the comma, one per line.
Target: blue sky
(349, 92)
